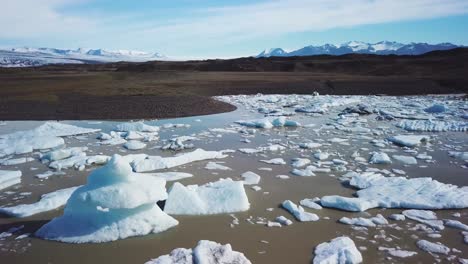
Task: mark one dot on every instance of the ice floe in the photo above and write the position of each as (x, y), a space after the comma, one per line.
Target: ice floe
(299, 213)
(9, 178)
(431, 247)
(206, 252)
(399, 192)
(433, 125)
(46, 136)
(340, 250)
(409, 140)
(250, 178)
(48, 202)
(151, 163)
(223, 196)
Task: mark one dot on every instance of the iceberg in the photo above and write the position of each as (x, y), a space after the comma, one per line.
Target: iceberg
(223, 196)
(206, 252)
(114, 204)
(48, 202)
(340, 250)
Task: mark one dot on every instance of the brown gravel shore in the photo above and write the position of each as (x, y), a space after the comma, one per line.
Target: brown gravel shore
(175, 89)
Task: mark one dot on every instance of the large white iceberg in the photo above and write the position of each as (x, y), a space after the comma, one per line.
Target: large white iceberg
(9, 178)
(114, 204)
(48, 202)
(46, 136)
(223, 196)
(151, 163)
(206, 252)
(340, 250)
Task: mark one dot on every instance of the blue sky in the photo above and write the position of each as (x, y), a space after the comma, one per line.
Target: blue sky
(222, 29)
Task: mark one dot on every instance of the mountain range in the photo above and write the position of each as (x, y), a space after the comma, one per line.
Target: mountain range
(28, 57)
(379, 48)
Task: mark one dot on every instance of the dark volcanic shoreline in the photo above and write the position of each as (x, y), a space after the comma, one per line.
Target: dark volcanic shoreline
(175, 89)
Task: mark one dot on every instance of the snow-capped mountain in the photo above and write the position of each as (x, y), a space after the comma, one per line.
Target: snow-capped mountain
(26, 56)
(379, 48)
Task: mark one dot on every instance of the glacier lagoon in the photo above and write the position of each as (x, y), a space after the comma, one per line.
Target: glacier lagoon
(339, 135)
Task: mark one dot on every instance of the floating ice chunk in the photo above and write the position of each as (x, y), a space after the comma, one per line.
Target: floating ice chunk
(347, 204)
(408, 160)
(283, 122)
(206, 252)
(9, 178)
(436, 108)
(48, 202)
(277, 161)
(250, 178)
(397, 217)
(321, 155)
(97, 160)
(46, 136)
(310, 145)
(426, 217)
(380, 158)
(62, 153)
(283, 220)
(307, 172)
(134, 145)
(169, 175)
(258, 123)
(431, 247)
(178, 143)
(177, 256)
(249, 150)
(299, 212)
(73, 161)
(216, 166)
(114, 204)
(310, 203)
(300, 162)
(456, 224)
(409, 140)
(433, 125)
(136, 126)
(367, 222)
(399, 253)
(17, 161)
(223, 196)
(340, 250)
(274, 147)
(399, 192)
(459, 155)
(151, 163)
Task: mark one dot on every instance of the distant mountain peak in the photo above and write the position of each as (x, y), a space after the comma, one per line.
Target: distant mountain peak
(384, 47)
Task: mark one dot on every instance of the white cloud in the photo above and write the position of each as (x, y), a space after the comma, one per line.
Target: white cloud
(29, 19)
(287, 16)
